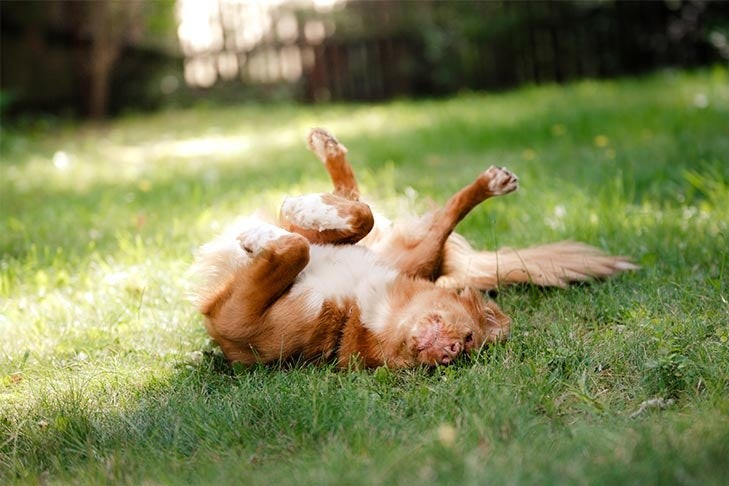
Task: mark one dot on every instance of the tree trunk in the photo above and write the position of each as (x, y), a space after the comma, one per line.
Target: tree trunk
(110, 23)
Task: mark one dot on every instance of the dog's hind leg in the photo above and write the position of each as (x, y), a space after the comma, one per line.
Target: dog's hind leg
(272, 260)
(336, 218)
(326, 218)
(416, 247)
(334, 157)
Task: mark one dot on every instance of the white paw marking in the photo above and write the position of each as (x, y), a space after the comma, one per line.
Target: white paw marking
(256, 237)
(219, 258)
(501, 180)
(311, 212)
(324, 145)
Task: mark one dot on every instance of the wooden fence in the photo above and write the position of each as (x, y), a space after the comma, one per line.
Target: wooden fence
(431, 47)
(356, 50)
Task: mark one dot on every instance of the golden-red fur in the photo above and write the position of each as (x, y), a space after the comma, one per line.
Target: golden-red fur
(405, 295)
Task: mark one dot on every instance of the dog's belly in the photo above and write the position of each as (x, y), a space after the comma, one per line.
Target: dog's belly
(342, 275)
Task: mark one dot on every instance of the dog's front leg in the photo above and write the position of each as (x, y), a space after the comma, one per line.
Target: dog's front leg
(416, 248)
(235, 314)
(334, 157)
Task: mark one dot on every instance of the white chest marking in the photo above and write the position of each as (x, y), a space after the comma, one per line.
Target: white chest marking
(336, 273)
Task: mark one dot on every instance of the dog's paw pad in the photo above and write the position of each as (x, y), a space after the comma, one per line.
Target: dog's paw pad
(246, 246)
(324, 145)
(500, 180)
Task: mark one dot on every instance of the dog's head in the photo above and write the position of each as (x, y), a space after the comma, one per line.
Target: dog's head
(493, 325)
(446, 325)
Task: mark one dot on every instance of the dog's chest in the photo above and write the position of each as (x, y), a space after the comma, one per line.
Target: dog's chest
(339, 274)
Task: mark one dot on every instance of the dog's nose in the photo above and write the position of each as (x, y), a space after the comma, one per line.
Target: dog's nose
(451, 352)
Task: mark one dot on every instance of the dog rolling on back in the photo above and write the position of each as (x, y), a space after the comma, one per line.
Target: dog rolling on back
(331, 281)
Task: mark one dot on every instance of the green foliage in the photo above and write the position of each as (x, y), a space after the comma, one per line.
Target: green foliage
(160, 17)
(107, 375)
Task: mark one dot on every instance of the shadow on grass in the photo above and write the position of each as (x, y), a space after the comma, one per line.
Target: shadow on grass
(203, 417)
(208, 420)
(207, 410)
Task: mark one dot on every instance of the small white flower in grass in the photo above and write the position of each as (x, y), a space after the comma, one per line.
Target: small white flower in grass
(61, 160)
(560, 211)
(195, 357)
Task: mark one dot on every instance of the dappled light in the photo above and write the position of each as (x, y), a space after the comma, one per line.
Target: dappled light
(221, 38)
(107, 374)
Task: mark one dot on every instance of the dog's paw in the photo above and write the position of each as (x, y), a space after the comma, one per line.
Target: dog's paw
(317, 212)
(499, 181)
(255, 239)
(324, 145)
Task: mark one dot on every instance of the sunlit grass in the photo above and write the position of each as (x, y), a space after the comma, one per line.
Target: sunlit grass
(106, 372)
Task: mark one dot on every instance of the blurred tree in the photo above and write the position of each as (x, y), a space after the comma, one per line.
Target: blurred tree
(110, 25)
(103, 56)
(80, 50)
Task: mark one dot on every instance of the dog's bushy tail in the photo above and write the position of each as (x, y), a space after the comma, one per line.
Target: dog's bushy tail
(553, 265)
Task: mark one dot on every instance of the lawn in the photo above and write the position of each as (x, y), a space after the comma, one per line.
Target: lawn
(107, 375)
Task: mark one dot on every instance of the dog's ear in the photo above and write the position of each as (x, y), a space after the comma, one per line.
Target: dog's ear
(498, 323)
(493, 323)
(472, 299)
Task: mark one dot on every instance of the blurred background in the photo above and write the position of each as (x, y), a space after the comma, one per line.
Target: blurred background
(95, 59)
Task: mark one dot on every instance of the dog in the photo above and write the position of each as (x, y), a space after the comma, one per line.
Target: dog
(332, 281)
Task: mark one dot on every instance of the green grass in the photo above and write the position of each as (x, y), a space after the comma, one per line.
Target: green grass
(106, 373)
